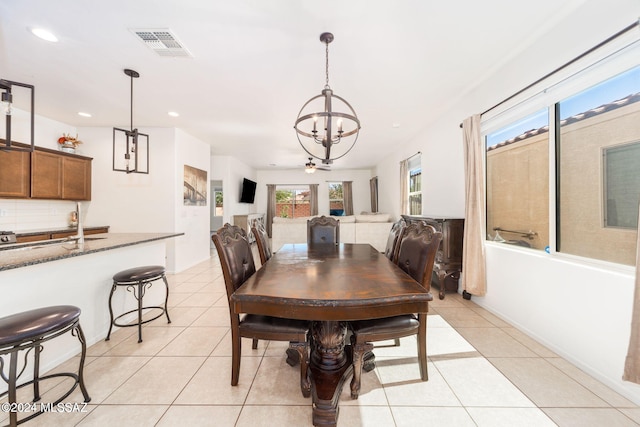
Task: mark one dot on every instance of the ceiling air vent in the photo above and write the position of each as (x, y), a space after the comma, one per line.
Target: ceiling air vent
(163, 42)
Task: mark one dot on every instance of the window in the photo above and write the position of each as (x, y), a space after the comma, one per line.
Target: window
(622, 185)
(292, 201)
(518, 182)
(598, 182)
(415, 186)
(336, 199)
(589, 168)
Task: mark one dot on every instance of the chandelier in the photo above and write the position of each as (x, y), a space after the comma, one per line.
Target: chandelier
(327, 126)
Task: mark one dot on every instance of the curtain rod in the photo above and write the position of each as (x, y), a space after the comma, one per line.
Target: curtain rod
(562, 67)
(411, 157)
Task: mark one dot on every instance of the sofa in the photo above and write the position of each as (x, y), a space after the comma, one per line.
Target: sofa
(364, 228)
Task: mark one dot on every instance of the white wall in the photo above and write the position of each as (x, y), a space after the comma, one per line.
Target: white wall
(579, 310)
(154, 202)
(360, 179)
(193, 221)
(132, 202)
(232, 171)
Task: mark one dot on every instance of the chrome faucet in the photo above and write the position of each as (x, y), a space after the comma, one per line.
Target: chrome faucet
(80, 236)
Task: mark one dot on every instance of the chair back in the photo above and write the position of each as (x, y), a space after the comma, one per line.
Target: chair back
(417, 251)
(323, 230)
(394, 238)
(262, 240)
(235, 256)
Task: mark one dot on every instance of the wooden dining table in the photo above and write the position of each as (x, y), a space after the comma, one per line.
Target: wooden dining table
(330, 285)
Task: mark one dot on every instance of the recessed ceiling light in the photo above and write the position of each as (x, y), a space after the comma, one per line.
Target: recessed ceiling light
(395, 125)
(44, 34)
(173, 114)
(83, 114)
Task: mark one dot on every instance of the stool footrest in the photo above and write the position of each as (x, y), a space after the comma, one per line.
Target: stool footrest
(123, 325)
(76, 379)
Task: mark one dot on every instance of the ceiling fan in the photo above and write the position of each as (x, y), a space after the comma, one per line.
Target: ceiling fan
(311, 167)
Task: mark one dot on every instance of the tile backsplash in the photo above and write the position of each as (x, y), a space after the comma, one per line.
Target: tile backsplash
(24, 215)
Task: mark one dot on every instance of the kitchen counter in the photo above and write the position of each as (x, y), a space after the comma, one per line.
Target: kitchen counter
(25, 254)
(58, 272)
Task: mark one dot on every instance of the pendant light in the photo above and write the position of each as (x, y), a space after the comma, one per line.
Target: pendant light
(130, 147)
(327, 126)
(6, 97)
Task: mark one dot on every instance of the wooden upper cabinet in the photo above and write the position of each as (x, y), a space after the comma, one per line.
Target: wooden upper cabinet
(76, 178)
(15, 174)
(44, 174)
(60, 176)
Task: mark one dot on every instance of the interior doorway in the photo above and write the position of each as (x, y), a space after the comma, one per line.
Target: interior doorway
(217, 207)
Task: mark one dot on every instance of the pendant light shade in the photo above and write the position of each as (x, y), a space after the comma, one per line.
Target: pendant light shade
(130, 147)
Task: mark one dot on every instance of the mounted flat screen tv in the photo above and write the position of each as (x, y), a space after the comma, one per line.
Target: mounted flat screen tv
(248, 191)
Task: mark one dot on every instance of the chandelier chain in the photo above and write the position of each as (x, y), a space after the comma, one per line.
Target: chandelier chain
(326, 86)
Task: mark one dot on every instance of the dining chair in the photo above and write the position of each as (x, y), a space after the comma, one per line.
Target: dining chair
(323, 229)
(237, 264)
(416, 255)
(262, 240)
(391, 250)
(393, 239)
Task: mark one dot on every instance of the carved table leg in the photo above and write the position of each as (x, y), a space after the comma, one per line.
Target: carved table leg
(330, 367)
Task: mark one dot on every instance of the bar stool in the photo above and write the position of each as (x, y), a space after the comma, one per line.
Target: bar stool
(27, 331)
(137, 280)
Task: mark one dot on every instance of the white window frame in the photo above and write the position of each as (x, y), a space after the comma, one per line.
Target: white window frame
(610, 60)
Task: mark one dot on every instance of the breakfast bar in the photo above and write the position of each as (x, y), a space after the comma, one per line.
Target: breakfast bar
(64, 272)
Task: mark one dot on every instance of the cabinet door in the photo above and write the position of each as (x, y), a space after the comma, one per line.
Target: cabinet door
(76, 179)
(15, 174)
(46, 175)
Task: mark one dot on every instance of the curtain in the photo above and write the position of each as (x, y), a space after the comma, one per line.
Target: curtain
(271, 206)
(404, 187)
(373, 185)
(347, 194)
(313, 199)
(632, 363)
(473, 255)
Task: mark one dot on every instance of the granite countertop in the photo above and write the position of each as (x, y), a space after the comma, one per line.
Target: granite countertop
(25, 254)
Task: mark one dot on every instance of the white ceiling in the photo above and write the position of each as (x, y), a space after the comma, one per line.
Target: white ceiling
(255, 63)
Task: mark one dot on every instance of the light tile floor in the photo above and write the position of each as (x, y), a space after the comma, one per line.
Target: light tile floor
(482, 372)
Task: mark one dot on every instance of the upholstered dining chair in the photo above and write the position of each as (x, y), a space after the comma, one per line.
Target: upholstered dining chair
(391, 250)
(416, 255)
(323, 229)
(394, 238)
(262, 240)
(237, 264)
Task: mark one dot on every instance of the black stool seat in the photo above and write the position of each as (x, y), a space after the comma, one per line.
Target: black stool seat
(27, 331)
(138, 280)
(34, 324)
(139, 273)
